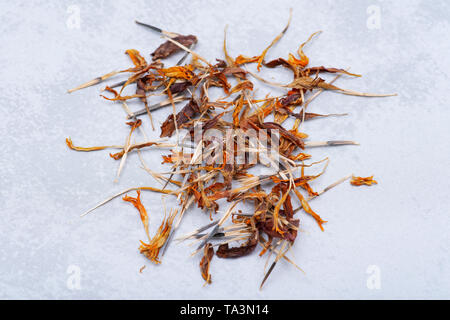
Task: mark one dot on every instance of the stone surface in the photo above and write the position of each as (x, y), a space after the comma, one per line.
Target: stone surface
(400, 226)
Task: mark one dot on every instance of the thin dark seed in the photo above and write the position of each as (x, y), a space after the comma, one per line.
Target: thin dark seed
(170, 178)
(331, 186)
(217, 235)
(209, 225)
(149, 26)
(211, 234)
(331, 143)
(171, 175)
(244, 214)
(339, 143)
(185, 56)
(118, 84)
(268, 273)
(153, 108)
(169, 239)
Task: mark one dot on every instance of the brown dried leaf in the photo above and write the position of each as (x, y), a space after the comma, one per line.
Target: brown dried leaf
(236, 71)
(225, 251)
(168, 48)
(186, 114)
(287, 233)
(205, 263)
(179, 87)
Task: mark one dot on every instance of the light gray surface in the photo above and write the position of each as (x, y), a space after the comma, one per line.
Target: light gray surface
(400, 225)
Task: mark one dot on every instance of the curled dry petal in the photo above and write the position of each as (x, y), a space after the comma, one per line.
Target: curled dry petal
(208, 254)
(136, 58)
(119, 155)
(303, 58)
(287, 232)
(330, 70)
(236, 71)
(263, 55)
(308, 209)
(151, 250)
(359, 181)
(225, 251)
(178, 72)
(244, 60)
(71, 146)
(136, 202)
(118, 97)
(244, 85)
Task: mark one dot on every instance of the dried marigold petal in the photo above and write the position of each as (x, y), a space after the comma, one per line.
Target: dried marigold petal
(276, 210)
(71, 146)
(308, 209)
(277, 38)
(310, 191)
(359, 181)
(244, 59)
(178, 72)
(244, 85)
(288, 233)
(140, 207)
(237, 110)
(304, 60)
(136, 58)
(151, 249)
(330, 70)
(118, 97)
(167, 159)
(205, 263)
(120, 154)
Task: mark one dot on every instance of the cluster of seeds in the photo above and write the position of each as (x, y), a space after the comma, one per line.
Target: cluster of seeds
(208, 170)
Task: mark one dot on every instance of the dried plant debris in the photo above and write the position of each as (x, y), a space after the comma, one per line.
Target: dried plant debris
(236, 148)
(360, 181)
(208, 254)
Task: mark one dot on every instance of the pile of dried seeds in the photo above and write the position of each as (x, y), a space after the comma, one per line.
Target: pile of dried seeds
(219, 142)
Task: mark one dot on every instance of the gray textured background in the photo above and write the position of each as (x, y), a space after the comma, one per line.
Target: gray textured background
(400, 225)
